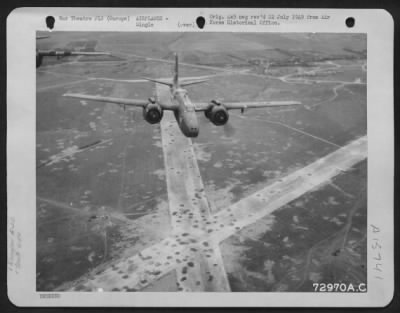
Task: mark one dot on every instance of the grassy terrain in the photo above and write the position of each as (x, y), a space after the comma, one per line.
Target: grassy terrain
(91, 202)
(319, 237)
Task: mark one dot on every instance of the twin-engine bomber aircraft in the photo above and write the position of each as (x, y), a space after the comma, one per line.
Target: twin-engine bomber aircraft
(60, 53)
(184, 110)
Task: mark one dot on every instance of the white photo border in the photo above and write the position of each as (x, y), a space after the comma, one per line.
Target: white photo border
(22, 25)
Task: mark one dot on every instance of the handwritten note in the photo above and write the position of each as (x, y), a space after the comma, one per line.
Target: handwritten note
(377, 257)
(14, 247)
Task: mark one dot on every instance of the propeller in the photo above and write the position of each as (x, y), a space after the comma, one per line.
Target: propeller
(229, 130)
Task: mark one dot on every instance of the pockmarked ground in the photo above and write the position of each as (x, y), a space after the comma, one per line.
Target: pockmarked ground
(272, 201)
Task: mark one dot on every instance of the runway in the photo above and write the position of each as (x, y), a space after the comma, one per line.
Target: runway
(192, 250)
(189, 208)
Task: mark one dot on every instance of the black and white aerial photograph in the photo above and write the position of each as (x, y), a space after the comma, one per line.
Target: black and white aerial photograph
(201, 161)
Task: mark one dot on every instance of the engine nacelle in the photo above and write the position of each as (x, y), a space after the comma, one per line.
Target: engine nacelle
(153, 112)
(217, 113)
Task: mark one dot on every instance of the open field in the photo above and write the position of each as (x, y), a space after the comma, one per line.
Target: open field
(102, 195)
(282, 253)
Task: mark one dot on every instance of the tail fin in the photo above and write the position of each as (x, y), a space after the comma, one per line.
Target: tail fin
(176, 73)
(175, 81)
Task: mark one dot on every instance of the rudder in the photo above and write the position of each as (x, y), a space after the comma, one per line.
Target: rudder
(176, 74)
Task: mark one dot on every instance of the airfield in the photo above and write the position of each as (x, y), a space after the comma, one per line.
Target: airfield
(273, 201)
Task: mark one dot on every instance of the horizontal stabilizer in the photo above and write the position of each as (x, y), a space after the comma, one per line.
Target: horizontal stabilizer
(194, 82)
(158, 81)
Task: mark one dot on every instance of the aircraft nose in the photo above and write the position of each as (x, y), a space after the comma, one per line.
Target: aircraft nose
(191, 125)
(194, 131)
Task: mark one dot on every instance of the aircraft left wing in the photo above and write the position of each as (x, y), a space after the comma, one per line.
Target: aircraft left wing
(127, 102)
(245, 105)
(65, 53)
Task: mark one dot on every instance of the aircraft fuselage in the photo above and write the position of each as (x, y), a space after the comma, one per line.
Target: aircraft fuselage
(185, 113)
(176, 99)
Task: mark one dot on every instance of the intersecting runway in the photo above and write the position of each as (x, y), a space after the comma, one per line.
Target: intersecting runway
(192, 249)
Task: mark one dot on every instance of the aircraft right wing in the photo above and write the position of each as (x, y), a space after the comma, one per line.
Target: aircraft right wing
(244, 105)
(127, 102)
